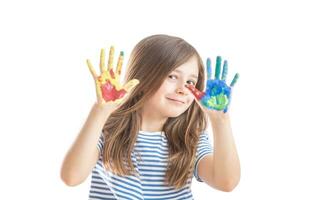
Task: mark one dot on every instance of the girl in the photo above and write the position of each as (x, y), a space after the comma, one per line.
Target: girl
(147, 138)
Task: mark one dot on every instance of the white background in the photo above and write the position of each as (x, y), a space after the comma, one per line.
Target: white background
(278, 108)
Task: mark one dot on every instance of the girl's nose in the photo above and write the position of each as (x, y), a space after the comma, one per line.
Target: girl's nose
(182, 90)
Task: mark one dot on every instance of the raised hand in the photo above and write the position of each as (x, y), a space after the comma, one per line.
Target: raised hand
(218, 94)
(108, 87)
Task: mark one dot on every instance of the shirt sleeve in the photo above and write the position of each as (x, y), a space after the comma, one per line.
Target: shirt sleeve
(100, 143)
(204, 148)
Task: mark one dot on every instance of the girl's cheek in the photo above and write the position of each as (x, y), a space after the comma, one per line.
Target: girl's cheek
(165, 85)
(170, 85)
(191, 99)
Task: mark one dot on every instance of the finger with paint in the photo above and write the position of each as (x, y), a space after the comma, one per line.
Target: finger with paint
(218, 94)
(108, 87)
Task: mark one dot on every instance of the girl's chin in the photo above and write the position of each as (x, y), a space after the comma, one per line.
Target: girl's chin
(174, 114)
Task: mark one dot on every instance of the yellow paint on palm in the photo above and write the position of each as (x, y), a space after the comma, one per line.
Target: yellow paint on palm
(105, 77)
(108, 87)
(106, 73)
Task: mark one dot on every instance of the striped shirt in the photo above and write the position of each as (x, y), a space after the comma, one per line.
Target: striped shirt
(152, 148)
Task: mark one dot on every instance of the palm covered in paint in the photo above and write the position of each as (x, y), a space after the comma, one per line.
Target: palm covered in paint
(218, 94)
(108, 87)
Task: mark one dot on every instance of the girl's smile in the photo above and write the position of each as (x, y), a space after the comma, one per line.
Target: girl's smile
(176, 101)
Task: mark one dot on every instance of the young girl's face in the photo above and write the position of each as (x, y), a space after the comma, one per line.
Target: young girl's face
(173, 98)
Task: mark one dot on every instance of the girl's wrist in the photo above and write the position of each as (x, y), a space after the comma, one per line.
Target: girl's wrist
(219, 117)
(102, 109)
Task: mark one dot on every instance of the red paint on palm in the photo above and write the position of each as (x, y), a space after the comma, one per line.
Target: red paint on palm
(109, 92)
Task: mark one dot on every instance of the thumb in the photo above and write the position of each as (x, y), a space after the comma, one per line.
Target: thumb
(130, 85)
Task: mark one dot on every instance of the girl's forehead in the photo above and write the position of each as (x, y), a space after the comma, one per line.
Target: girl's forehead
(190, 68)
(194, 75)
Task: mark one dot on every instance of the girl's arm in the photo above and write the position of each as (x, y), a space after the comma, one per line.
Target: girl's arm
(222, 169)
(83, 154)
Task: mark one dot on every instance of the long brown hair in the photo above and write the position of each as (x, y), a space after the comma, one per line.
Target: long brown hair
(151, 61)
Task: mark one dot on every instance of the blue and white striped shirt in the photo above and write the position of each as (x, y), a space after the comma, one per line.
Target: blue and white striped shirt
(152, 148)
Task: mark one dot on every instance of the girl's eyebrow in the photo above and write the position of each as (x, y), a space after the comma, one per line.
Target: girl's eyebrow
(192, 75)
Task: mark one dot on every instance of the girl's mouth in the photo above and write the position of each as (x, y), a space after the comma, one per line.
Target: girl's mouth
(175, 101)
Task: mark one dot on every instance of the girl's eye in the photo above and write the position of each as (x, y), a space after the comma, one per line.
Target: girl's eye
(170, 76)
(191, 82)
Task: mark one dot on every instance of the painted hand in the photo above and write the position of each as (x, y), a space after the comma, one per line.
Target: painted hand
(108, 87)
(218, 94)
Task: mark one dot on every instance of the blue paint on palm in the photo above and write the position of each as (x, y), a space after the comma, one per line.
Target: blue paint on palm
(218, 94)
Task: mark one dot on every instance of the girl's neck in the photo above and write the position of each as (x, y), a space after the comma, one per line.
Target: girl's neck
(152, 123)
